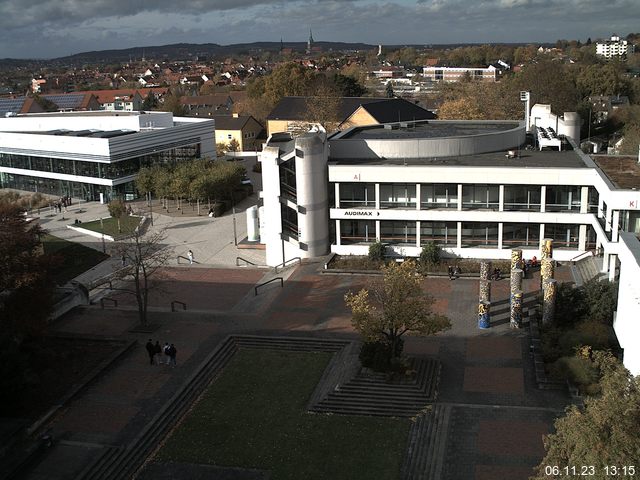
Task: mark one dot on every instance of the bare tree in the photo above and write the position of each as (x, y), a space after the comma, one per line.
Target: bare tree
(143, 254)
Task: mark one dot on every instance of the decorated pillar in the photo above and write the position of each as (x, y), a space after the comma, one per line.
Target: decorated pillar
(549, 293)
(516, 309)
(484, 319)
(485, 282)
(546, 250)
(516, 259)
(516, 279)
(546, 270)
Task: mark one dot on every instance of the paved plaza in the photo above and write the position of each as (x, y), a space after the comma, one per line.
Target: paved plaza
(495, 414)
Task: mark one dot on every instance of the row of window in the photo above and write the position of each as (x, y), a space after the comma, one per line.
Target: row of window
(474, 196)
(473, 234)
(111, 171)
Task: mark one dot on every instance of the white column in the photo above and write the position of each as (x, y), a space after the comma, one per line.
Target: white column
(418, 233)
(543, 200)
(605, 263)
(377, 198)
(582, 238)
(338, 233)
(417, 197)
(337, 194)
(500, 230)
(607, 220)
(615, 224)
(584, 200)
(377, 230)
(612, 267)
(600, 207)
(459, 199)
(459, 239)
(500, 202)
(541, 236)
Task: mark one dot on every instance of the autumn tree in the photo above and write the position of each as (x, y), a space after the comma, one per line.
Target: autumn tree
(550, 83)
(117, 209)
(602, 79)
(605, 431)
(26, 288)
(394, 306)
(150, 102)
(143, 254)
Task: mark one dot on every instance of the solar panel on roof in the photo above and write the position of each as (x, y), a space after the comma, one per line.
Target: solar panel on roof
(13, 105)
(69, 100)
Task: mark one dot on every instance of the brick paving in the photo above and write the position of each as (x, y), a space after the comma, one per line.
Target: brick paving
(498, 415)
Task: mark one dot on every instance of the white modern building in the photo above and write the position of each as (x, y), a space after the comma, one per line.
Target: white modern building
(456, 74)
(614, 47)
(93, 155)
(476, 188)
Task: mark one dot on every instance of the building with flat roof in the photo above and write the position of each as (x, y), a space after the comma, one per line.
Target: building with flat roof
(478, 189)
(614, 47)
(95, 155)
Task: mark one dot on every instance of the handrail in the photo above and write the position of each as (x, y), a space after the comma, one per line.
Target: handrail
(245, 260)
(173, 305)
(583, 254)
(115, 302)
(284, 264)
(255, 289)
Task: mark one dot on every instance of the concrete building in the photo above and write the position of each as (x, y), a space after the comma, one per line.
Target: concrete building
(476, 188)
(614, 47)
(95, 155)
(456, 74)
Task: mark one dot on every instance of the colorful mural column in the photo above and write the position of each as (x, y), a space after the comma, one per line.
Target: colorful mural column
(546, 270)
(516, 259)
(484, 319)
(485, 282)
(546, 249)
(516, 309)
(549, 300)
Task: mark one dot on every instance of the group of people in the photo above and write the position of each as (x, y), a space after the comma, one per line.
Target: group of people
(161, 355)
(64, 202)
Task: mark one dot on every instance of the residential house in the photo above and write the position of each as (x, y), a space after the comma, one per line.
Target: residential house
(291, 114)
(244, 129)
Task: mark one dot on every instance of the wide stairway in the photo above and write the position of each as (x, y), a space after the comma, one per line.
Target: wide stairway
(587, 269)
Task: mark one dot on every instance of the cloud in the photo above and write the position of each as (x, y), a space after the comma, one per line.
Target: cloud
(49, 28)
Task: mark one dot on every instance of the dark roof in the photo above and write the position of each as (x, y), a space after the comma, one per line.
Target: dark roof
(228, 122)
(382, 109)
(397, 110)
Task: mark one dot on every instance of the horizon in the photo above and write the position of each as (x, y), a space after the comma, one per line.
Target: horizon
(49, 29)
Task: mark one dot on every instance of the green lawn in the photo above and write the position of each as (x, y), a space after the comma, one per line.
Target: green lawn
(75, 258)
(254, 416)
(109, 226)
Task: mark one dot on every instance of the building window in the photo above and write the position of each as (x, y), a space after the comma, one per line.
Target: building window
(479, 234)
(565, 236)
(357, 231)
(357, 195)
(445, 234)
(397, 195)
(289, 221)
(522, 197)
(439, 195)
(518, 235)
(288, 179)
(398, 232)
(563, 198)
(479, 196)
(594, 199)
(229, 136)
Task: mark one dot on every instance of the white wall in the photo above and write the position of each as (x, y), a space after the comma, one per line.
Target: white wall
(627, 322)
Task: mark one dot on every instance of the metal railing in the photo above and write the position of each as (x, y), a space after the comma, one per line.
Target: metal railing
(255, 289)
(173, 305)
(249, 262)
(579, 257)
(284, 264)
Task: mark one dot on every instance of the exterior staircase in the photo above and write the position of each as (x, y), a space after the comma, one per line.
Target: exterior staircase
(587, 269)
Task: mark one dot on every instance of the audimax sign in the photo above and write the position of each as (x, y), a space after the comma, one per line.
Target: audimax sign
(361, 213)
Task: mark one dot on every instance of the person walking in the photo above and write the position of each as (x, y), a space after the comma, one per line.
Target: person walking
(172, 355)
(190, 255)
(157, 350)
(151, 351)
(166, 350)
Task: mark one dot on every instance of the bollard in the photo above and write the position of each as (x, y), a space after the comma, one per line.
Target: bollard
(484, 318)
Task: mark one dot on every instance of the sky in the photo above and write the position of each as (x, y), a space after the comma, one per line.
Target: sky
(56, 28)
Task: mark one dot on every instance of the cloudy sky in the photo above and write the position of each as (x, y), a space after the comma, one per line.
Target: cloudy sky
(54, 28)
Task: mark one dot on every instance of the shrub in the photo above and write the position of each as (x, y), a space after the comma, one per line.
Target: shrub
(430, 254)
(377, 251)
(577, 369)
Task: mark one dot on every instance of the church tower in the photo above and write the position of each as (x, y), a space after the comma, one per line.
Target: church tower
(310, 42)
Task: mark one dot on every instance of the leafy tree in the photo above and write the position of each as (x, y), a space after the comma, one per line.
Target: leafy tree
(221, 149)
(233, 145)
(117, 209)
(287, 79)
(389, 93)
(324, 107)
(348, 86)
(602, 79)
(377, 251)
(605, 432)
(144, 254)
(430, 254)
(550, 83)
(172, 104)
(150, 102)
(394, 306)
(26, 289)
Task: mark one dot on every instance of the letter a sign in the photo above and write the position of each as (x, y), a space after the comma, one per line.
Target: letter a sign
(356, 176)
